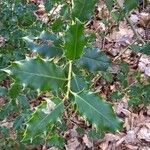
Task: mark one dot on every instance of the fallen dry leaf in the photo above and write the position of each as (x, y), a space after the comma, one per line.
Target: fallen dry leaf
(134, 18)
(87, 142)
(120, 2)
(53, 148)
(144, 134)
(144, 64)
(131, 137)
(2, 41)
(132, 147)
(73, 144)
(124, 31)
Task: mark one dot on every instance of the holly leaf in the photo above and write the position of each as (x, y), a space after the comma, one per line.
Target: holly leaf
(74, 40)
(146, 49)
(46, 44)
(82, 9)
(4, 132)
(49, 4)
(5, 110)
(78, 83)
(14, 90)
(56, 141)
(23, 102)
(37, 73)
(109, 4)
(130, 5)
(46, 114)
(94, 60)
(97, 112)
(3, 91)
(19, 120)
(117, 95)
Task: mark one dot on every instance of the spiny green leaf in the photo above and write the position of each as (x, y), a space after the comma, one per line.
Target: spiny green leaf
(56, 141)
(14, 90)
(46, 114)
(146, 49)
(49, 4)
(19, 121)
(97, 112)
(3, 91)
(118, 15)
(139, 94)
(82, 9)
(94, 134)
(4, 131)
(74, 41)
(135, 47)
(57, 25)
(94, 60)
(5, 110)
(109, 4)
(130, 4)
(135, 90)
(116, 95)
(23, 102)
(122, 77)
(78, 83)
(37, 73)
(48, 46)
(134, 101)
(107, 76)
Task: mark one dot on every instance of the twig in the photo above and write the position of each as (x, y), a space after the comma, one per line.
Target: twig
(122, 52)
(132, 27)
(55, 7)
(69, 79)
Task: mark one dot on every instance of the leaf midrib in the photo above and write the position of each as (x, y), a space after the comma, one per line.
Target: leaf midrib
(41, 75)
(76, 83)
(39, 124)
(75, 46)
(95, 109)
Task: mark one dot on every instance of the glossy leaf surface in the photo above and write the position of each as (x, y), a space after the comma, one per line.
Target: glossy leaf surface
(37, 73)
(46, 44)
(130, 4)
(82, 9)
(97, 112)
(94, 60)
(74, 41)
(145, 49)
(78, 83)
(46, 114)
(109, 4)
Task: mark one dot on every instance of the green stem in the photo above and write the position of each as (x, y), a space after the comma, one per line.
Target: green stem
(69, 79)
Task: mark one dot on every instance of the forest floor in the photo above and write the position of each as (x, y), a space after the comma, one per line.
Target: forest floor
(136, 129)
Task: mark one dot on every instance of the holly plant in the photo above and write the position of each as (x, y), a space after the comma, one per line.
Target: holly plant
(61, 64)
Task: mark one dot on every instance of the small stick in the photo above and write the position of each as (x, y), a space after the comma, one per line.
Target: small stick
(132, 26)
(120, 54)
